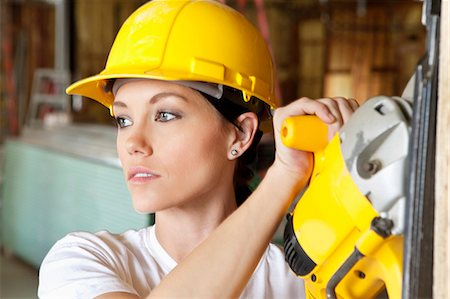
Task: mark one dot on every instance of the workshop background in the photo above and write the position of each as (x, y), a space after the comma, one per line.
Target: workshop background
(58, 168)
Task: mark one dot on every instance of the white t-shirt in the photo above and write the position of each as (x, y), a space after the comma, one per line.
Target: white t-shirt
(85, 265)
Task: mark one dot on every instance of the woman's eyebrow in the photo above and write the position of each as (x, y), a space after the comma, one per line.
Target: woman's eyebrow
(154, 99)
(116, 104)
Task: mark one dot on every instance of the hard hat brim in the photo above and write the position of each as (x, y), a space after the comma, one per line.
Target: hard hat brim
(95, 87)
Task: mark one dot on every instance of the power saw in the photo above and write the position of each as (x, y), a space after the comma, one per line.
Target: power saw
(344, 237)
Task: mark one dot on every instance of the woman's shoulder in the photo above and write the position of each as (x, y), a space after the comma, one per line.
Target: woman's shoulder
(100, 247)
(81, 261)
(102, 239)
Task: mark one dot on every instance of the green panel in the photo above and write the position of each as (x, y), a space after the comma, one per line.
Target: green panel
(47, 194)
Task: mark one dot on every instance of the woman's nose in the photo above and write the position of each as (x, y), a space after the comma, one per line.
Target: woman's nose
(137, 144)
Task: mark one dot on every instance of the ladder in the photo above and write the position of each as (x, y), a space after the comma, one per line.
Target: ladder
(48, 95)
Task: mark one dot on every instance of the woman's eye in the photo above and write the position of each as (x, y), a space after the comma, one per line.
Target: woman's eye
(123, 122)
(165, 116)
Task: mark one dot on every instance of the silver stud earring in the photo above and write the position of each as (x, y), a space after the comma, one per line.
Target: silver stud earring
(234, 152)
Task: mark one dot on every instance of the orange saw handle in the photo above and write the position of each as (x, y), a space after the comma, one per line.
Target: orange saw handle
(306, 132)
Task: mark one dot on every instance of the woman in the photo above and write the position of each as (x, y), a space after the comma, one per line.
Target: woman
(189, 115)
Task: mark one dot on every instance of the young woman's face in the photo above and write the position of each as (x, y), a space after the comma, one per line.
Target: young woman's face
(172, 144)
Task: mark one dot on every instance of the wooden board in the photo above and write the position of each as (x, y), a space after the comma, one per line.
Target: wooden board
(441, 246)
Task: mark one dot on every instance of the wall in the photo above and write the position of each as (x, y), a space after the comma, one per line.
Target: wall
(53, 186)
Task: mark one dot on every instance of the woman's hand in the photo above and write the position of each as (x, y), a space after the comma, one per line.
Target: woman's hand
(332, 111)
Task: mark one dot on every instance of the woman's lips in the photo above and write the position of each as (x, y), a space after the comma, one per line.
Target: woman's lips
(140, 175)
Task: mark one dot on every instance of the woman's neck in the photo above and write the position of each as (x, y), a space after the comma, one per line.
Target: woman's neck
(180, 230)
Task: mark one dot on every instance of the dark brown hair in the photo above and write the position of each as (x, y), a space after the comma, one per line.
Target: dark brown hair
(230, 108)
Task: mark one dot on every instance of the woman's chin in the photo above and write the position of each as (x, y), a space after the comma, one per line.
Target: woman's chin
(145, 205)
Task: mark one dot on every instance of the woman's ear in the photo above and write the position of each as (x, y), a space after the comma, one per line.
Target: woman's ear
(245, 130)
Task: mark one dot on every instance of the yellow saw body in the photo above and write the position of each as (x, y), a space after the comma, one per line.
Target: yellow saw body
(344, 238)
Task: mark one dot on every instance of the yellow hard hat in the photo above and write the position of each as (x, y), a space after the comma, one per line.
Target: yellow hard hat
(192, 40)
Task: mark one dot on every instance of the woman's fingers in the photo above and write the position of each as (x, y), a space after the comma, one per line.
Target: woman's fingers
(346, 107)
(353, 103)
(341, 108)
(304, 106)
(332, 111)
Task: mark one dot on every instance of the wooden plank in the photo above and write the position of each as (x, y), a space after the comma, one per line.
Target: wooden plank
(360, 69)
(379, 49)
(441, 260)
(338, 84)
(311, 53)
(97, 23)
